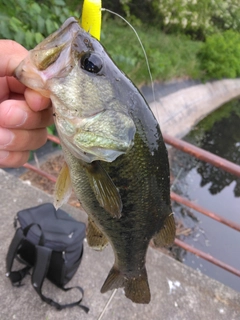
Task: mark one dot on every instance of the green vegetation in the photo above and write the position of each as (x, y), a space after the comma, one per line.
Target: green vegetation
(197, 18)
(220, 56)
(29, 22)
(170, 56)
(182, 39)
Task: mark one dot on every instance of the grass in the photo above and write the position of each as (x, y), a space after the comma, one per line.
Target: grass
(170, 56)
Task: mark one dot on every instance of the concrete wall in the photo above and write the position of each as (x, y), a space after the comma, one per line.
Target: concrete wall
(179, 112)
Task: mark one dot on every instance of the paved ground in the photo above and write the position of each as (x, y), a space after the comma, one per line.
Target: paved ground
(178, 292)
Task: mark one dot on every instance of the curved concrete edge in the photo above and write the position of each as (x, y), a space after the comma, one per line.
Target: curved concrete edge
(179, 112)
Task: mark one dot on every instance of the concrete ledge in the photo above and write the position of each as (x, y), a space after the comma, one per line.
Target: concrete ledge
(178, 112)
(178, 292)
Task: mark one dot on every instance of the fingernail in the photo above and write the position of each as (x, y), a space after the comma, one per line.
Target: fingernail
(18, 117)
(6, 137)
(3, 154)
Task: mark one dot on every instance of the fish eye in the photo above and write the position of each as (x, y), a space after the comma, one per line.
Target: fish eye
(91, 62)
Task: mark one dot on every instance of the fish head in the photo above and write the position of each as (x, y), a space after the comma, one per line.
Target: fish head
(87, 91)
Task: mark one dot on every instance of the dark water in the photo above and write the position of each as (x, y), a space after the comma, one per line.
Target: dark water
(213, 189)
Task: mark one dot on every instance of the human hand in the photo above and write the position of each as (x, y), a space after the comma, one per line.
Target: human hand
(24, 113)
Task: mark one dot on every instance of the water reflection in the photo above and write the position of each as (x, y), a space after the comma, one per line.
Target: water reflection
(213, 189)
(222, 139)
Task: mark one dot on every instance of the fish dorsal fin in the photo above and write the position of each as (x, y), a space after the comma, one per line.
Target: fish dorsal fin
(166, 236)
(63, 187)
(104, 189)
(95, 238)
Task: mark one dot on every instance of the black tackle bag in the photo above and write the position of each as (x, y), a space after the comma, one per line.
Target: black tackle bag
(50, 242)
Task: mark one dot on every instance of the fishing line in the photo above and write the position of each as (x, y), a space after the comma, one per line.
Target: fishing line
(177, 178)
(141, 44)
(108, 303)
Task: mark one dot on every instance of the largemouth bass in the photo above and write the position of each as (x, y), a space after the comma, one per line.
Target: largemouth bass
(113, 148)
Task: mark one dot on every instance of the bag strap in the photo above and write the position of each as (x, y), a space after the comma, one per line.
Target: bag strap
(15, 276)
(43, 257)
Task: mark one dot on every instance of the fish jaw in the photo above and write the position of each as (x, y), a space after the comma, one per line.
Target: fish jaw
(34, 78)
(48, 60)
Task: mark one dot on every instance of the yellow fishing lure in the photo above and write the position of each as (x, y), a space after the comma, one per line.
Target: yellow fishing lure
(92, 17)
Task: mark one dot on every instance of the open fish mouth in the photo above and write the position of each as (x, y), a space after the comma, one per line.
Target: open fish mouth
(44, 62)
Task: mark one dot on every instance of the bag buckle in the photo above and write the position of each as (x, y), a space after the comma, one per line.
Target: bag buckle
(64, 255)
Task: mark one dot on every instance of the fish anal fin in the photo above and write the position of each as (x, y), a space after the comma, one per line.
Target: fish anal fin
(166, 236)
(95, 238)
(114, 280)
(63, 187)
(136, 288)
(104, 189)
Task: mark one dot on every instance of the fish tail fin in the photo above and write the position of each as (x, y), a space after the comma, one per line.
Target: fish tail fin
(136, 288)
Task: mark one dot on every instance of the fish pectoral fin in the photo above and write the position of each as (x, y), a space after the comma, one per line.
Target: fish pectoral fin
(104, 189)
(166, 236)
(136, 288)
(63, 187)
(95, 238)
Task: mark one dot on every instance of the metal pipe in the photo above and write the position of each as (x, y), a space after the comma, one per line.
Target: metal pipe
(41, 172)
(207, 257)
(203, 155)
(192, 150)
(204, 211)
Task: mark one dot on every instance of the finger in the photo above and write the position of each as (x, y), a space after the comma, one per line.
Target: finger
(17, 114)
(22, 140)
(9, 86)
(35, 100)
(15, 86)
(16, 96)
(11, 54)
(13, 159)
